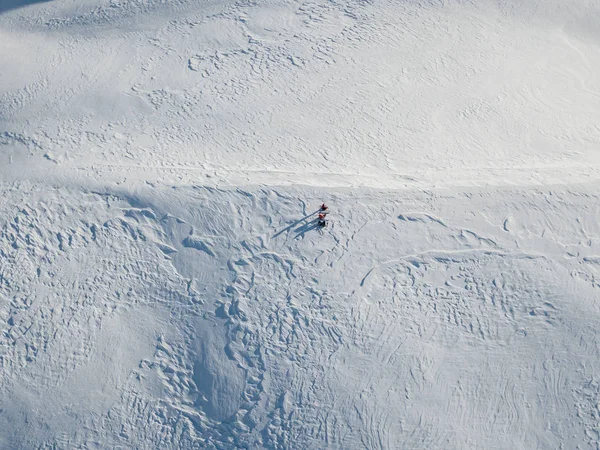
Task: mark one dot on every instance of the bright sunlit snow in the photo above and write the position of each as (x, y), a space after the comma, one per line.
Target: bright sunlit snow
(164, 283)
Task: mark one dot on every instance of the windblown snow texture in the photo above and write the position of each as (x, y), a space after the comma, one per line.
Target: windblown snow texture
(163, 280)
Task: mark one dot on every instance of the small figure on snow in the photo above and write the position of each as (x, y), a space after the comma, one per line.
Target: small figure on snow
(324, 208)
(322, 221)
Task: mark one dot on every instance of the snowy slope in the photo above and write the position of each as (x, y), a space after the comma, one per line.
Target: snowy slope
(162, 281)
(384, 94)
(218, 318)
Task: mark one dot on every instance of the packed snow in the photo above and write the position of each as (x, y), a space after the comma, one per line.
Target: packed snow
(164, 282)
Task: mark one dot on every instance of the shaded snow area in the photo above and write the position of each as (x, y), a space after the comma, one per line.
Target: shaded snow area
(163, 280)
(221, 318)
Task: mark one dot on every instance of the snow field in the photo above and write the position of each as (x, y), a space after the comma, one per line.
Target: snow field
(162, 281)
(344, 93)
(219, 318)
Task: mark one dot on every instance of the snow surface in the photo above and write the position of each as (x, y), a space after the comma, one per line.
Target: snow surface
(162, 280)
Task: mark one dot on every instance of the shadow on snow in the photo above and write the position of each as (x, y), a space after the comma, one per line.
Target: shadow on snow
(305, 226)
(7, 5)
(289, 227)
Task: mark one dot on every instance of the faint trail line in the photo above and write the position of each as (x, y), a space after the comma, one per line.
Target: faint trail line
(443, 254)
(419, 179)
(212, 170)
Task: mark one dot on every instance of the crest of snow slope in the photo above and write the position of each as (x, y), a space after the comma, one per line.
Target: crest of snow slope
(163, 315)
